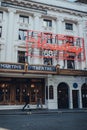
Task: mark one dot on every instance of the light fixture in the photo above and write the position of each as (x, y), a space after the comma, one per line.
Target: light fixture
(32, 86)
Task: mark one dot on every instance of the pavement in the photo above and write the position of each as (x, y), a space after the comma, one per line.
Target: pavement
(40, 111)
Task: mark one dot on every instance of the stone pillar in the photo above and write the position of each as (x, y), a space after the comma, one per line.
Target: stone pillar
(70, 99)
(80, 29)
(10, 36)
(59, 25)
(36, 59)
(60, 31)
(80, 99)
(80, 33)
(37, 22)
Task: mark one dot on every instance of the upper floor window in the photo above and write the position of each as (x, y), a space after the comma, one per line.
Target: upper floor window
(21, 56)
(1, 15)
(0, 31)
(69, 26)
(48, 37)
(24, 19)
(22, 34)
(70, 40)
(47, 23)
(71, 63)
(47, 61)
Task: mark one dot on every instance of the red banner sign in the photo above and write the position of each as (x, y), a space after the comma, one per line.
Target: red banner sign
(55, 45)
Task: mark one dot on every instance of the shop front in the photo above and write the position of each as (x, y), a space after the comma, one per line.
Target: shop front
(16, 80)
(56, 88)
(14, 90)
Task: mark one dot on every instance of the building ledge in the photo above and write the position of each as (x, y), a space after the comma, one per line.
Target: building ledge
(72, 72)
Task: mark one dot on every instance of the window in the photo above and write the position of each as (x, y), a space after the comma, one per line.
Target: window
(70, 40)
(70, 63)
(48, 37)
(21, 56)
(0, 31)
(78, 42)
(24, 19)
(51, 92)
(22, 34)
(1, 15)
(47, 23)
(68, 26)
(47, 61)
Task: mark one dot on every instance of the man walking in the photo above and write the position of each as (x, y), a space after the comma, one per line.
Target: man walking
(27, 101)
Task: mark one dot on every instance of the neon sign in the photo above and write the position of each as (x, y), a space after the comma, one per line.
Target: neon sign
(55, 46)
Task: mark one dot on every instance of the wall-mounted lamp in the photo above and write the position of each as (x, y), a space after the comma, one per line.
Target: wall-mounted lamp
(57, 68)
(26, 67)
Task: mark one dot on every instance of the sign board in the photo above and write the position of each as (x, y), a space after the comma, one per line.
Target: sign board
(9, 66)
(42, 68)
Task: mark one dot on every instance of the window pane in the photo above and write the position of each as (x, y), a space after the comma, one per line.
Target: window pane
(70, 40)
(47, 61)
(22, 34)
(50, 23)
(21, 56)
(69, 26)
(71, 63)
(25, 34)
(24, 19)
(21, 19)
(47, 23)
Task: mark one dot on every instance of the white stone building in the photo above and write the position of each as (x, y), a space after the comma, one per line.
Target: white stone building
(27, 66)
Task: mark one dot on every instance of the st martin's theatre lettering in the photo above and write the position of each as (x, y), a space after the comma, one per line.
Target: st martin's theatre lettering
(11, 66)
(42, 68)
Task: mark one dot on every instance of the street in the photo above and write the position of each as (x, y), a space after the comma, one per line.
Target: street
(51, 121)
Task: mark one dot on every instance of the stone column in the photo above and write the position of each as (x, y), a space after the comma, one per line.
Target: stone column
(10, 36)
(60, 31)
(80, 28)
(36, 59)
(59, 25)
(37, 22)
(80, 33)
(80, 99)
(70, 99)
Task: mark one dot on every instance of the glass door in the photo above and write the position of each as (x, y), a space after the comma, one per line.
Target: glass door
(4, 93)
(35, 92)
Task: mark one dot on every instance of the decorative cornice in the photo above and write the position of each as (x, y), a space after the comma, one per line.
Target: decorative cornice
(40, 6)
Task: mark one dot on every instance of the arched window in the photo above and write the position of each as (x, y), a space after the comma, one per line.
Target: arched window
(51, 95)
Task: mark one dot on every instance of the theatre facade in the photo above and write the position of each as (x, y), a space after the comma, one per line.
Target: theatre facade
(43, 52)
